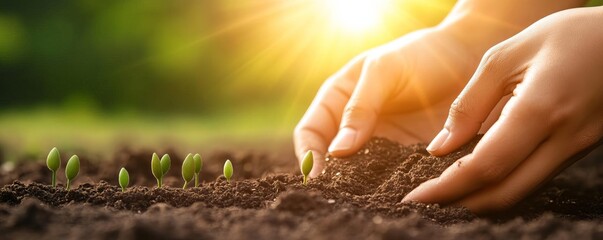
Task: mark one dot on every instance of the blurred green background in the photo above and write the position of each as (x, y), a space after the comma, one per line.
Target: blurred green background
(94, 74)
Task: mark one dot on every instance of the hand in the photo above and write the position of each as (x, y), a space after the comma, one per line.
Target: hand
(553, 71)
(401, 90)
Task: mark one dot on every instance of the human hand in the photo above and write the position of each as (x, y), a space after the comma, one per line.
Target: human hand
(401, 90)
(554, 72)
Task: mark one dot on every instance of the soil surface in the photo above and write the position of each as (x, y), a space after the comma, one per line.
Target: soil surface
(357, 197)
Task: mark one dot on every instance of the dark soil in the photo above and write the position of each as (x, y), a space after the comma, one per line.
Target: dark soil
(357, 197)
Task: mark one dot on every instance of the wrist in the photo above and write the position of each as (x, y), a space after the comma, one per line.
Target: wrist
(478, 25)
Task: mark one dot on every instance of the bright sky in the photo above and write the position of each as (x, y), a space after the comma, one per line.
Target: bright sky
(356, 15)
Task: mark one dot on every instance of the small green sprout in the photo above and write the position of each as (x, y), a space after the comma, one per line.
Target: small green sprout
(198, 165)
(156, 169)
(53, 162)
(166, 163)
(228, 170)
(124, 179)
(72, 169)
(188, 169)
(306, 166)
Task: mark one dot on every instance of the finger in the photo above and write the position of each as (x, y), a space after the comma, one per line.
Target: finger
(361, 112)
(494, 78)
(509, 142)
(550, 158)
(319, 124)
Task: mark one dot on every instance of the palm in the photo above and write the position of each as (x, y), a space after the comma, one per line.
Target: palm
(433, 72)
(413, 127)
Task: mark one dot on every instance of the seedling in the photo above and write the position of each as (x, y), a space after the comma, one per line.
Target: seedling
(166, 163)
(228, 170)
(124, 179)
(306, 166)
(156, 169)
(198, 165)
(72, 169)
(53, 162)
(188, 169)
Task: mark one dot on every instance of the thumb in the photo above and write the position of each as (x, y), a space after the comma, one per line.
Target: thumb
(361, 112)
(471, 108)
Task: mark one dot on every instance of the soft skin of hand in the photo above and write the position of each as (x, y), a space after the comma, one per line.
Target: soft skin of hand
(401, 90)
(553, 71)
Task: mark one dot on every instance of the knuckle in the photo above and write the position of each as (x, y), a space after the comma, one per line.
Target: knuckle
(380, 61)
(297, 131)
(459, 110)
(493, 59)
(355, 110)
(548, 111)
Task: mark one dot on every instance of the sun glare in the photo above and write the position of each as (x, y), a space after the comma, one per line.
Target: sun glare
(356, 15)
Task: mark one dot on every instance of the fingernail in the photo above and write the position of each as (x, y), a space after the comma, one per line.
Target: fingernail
(344, 140)
(437, 142)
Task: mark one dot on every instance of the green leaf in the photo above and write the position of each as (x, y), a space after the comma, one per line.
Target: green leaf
(53, 161)
(124, 178)
(228, 170)
(198, 163)
(156, 167)
(72, 168)
(166, 163)
(307, 163)
(306, 166)
(188, 168)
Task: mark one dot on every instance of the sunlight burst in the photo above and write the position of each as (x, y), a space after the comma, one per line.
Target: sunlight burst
(356, 15)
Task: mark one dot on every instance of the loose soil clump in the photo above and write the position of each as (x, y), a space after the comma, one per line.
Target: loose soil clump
(357, 197)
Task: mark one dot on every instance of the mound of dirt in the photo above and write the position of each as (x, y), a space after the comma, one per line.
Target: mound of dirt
(357, 197)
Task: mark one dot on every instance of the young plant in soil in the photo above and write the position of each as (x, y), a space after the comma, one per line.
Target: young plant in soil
(166, 163)
(228, 170)
(198, 165)
(124, 179)
(72, 169)
(156, 169)
(306, 166)
(188, 169)
(53, 162)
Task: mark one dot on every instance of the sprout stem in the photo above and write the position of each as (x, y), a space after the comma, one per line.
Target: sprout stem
(54, 179)
(68, 184)
(184, 187)
(158, 183)
(196, 180)
(305, 180)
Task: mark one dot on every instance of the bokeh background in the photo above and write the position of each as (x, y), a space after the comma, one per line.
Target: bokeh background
(98, 74)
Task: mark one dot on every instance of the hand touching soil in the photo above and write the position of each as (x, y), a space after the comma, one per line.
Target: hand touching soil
(553, 71)
(402, 90)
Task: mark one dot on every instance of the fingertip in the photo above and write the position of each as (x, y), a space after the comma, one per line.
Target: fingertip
(419, 193)
(435, 146)
(448, 141)
(344, 141)
(316, 171)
